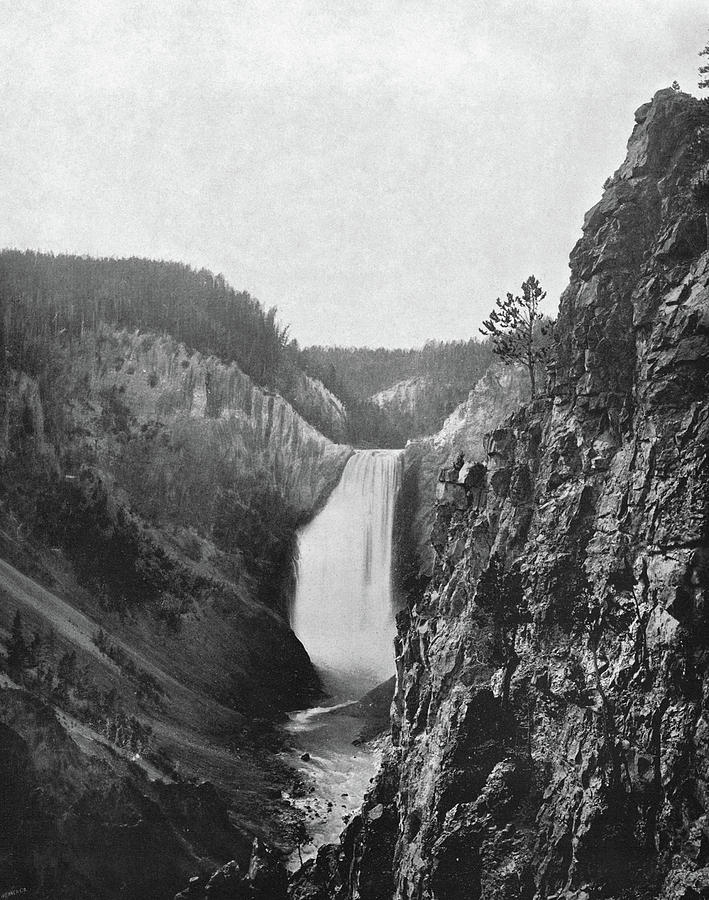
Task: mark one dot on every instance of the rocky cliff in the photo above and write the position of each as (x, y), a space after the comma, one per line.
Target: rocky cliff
(404, 396)
(550, 736)
(500, 391)
(419, 405)
(319, 406)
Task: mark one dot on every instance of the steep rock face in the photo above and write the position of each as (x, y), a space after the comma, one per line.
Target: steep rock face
(255, 429)
(320, 406)
(419, 405)
(404, 396)
(113, 378)
(500, 391)
(549, 726)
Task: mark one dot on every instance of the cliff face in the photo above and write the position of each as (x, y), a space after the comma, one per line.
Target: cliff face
(419, 405)
(404, 396)
(501, 390)
(236, 421)
(320, 406)
(550, 737)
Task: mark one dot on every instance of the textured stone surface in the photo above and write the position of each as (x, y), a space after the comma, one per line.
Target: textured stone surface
(500, 391)
(550, 729)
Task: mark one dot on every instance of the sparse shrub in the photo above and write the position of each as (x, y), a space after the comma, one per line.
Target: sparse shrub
(171, 609)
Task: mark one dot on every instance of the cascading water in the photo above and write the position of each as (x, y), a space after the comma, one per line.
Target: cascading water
(343, 615)
(342, 610)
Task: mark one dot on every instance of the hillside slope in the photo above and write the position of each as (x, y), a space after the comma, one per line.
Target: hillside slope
(149, 497)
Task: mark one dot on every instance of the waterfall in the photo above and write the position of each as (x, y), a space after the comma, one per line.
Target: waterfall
(343, 611)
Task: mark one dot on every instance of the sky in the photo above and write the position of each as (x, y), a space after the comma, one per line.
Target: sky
(379, 170)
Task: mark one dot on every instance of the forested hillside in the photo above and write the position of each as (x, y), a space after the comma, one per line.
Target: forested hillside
(46, 293)
(361, 371)
(46, 296)
(422, 385)
(149, 496)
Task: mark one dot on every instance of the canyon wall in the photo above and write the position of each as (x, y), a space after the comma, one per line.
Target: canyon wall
(149, 498)
(549, 730)
(500, 391)
(247, 426)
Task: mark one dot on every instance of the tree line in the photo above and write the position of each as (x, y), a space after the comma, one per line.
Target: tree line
(361, 372)
(447, 371)
(45, 295)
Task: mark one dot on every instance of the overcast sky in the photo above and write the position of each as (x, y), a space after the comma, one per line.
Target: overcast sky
(379, 171)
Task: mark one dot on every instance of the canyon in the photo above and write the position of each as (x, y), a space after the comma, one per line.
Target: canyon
(547, 735)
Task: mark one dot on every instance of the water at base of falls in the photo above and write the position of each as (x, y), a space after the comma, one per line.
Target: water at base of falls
(344, 617)
(336, 772)
(342, 610)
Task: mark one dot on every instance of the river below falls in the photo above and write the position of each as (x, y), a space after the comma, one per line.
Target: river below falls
(336, 772)
(343, 614)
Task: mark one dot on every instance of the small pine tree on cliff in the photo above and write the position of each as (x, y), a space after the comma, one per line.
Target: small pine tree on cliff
(704, 70)
(512, 328)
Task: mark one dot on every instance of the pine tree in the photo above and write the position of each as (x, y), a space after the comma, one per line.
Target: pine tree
(35, 649)
(514, 332)
(16, 648)
(704, 70)
(67, 670)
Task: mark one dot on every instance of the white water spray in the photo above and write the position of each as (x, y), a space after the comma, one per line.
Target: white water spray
(343, 611)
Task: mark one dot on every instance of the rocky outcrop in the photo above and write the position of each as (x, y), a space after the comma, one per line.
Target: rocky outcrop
(418, 406)
(500, 391)
(549, 725)
(404, 396)
(113, 380)
(264, 878)
(75, 825)
(245, 425)
(319, 406)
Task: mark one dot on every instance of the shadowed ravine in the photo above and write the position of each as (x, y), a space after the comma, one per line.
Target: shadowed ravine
(343, 614)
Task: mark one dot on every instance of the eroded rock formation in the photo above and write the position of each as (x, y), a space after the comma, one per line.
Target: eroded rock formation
(500, 391)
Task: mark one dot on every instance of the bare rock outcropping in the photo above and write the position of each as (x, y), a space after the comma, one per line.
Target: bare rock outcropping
(550, 733)
(500, 391)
